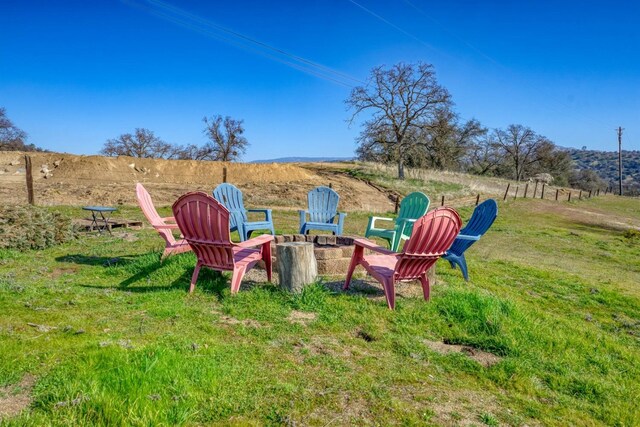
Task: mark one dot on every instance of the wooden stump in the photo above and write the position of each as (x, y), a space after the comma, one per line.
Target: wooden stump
(296, 265)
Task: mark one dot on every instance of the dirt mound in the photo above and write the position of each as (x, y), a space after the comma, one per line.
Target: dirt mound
(66, 179)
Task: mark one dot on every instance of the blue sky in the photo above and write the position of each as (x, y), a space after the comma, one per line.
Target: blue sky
(75, 73)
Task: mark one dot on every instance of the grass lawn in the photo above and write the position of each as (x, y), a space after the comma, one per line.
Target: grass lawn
(99, 332)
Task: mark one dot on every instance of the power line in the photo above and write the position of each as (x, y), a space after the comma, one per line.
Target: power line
(209, 28)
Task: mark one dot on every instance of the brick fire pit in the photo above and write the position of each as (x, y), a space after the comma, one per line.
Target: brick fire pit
(333, 253)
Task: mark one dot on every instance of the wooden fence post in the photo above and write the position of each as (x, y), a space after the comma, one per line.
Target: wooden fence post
(569, 199)
(442, 200)
(507, 191)
(477, 199)
(597, 192)
(224, 174)
(589, 193)
(28, 170)
(526, 188)
(580, 195)
(557, 191)
(516, 195)
(542, 196)
(535, 190)
(395, 208)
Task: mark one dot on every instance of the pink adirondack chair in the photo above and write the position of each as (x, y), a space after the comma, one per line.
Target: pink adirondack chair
(432, 235)
(204, 222)
(162, 225)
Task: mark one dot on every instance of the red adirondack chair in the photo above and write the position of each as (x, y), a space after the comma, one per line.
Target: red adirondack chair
(432, 235)
(162, 225)
(204, 222)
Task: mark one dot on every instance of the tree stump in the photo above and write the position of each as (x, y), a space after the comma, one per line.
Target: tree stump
(296, 265)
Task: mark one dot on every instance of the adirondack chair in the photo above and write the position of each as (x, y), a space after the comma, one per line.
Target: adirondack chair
(162, 225)
(231, 198)
(204, 222)
(323, 208)
(432, 235)
(483, 216)
(412, 207)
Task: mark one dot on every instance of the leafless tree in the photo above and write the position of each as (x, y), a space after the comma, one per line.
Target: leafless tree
(226, 142)
(519, 145)
(142, 143)
(11, 137)
(402, 100)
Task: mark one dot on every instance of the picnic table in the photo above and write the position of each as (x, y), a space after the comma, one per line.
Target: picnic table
(100, 217)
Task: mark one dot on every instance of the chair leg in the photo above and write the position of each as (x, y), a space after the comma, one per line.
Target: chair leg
(355, 260)
(424, 280)
(194, 277)
(390, 293)
(238, 274)
(462, 262)
(266, 256)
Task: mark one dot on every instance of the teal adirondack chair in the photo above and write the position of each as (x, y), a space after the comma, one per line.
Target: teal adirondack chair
(231, 197)
(323, 208)
(412, 207)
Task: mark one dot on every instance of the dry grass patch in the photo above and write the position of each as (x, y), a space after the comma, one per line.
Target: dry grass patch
(16, 398)
(482, 357)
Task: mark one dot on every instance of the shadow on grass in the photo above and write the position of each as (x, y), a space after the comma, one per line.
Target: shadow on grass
(98, 260)
(362, 287)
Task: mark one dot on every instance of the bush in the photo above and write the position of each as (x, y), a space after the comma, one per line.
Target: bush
(30, 227)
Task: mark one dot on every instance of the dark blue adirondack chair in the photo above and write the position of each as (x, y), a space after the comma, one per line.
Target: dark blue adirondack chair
(231, 198)
(481, 219)
(323, 208)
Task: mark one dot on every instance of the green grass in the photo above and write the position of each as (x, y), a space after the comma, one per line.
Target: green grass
(553, 294)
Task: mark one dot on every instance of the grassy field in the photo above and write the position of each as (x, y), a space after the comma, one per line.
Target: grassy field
(99, 332)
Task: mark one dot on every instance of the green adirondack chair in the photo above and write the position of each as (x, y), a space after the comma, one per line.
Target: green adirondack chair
(412, 207)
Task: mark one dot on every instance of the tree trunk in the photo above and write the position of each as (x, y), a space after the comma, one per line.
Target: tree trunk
(297, 265)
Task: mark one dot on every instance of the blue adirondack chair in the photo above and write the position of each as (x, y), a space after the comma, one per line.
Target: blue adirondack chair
(231, 198)
(412, 207)
(483, 216)
(323, 208)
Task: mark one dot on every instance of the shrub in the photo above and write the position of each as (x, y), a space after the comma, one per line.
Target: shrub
(30, 227)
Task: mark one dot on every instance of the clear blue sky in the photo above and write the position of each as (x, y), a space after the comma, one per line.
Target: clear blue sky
(76, 73)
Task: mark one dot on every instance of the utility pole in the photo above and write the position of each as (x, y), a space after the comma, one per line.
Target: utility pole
(620, 159)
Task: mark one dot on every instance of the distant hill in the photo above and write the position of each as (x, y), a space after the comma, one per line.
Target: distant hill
(304, 160)
(605, 163)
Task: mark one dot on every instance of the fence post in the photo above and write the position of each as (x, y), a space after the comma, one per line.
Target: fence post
(224, 174)
(557, 191)
(526, 188)
(507, 191)
(477, 199)
(597, 192)
(589, 193)
(542, 196)
(535, 190)
(395, 208)
(580, 195)
(569, 199)
(516, 195)
(442, 200)
(28, 171)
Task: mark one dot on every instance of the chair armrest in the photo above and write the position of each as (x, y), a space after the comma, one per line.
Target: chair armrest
(166, 226)
(368, 244)
(467, 237)
(373, 219)
(169, 219)
(256, 241)
(266, 212)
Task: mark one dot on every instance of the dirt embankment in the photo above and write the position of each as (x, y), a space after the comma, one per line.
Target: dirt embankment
(66, 179)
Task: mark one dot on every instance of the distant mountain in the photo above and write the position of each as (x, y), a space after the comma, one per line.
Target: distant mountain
(304, 160)
(605, 163)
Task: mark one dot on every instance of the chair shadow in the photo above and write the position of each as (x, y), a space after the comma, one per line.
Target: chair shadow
(363, 287)
(97, 260)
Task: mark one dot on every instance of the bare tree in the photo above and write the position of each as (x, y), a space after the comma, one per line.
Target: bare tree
(142, 143)
(11, 137)
(519, 145)
(226, 141)
(402, 100)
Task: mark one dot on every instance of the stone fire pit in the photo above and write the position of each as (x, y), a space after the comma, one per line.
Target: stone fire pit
(333, 253)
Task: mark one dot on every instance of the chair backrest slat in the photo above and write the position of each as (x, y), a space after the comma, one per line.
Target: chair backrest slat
(150, 212)
(432, 235)
(414, 205)
(204, 222)
(231, 197)
(481, 220)
(322, 204)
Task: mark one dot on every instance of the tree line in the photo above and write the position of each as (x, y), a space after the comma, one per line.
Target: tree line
(411, 122)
